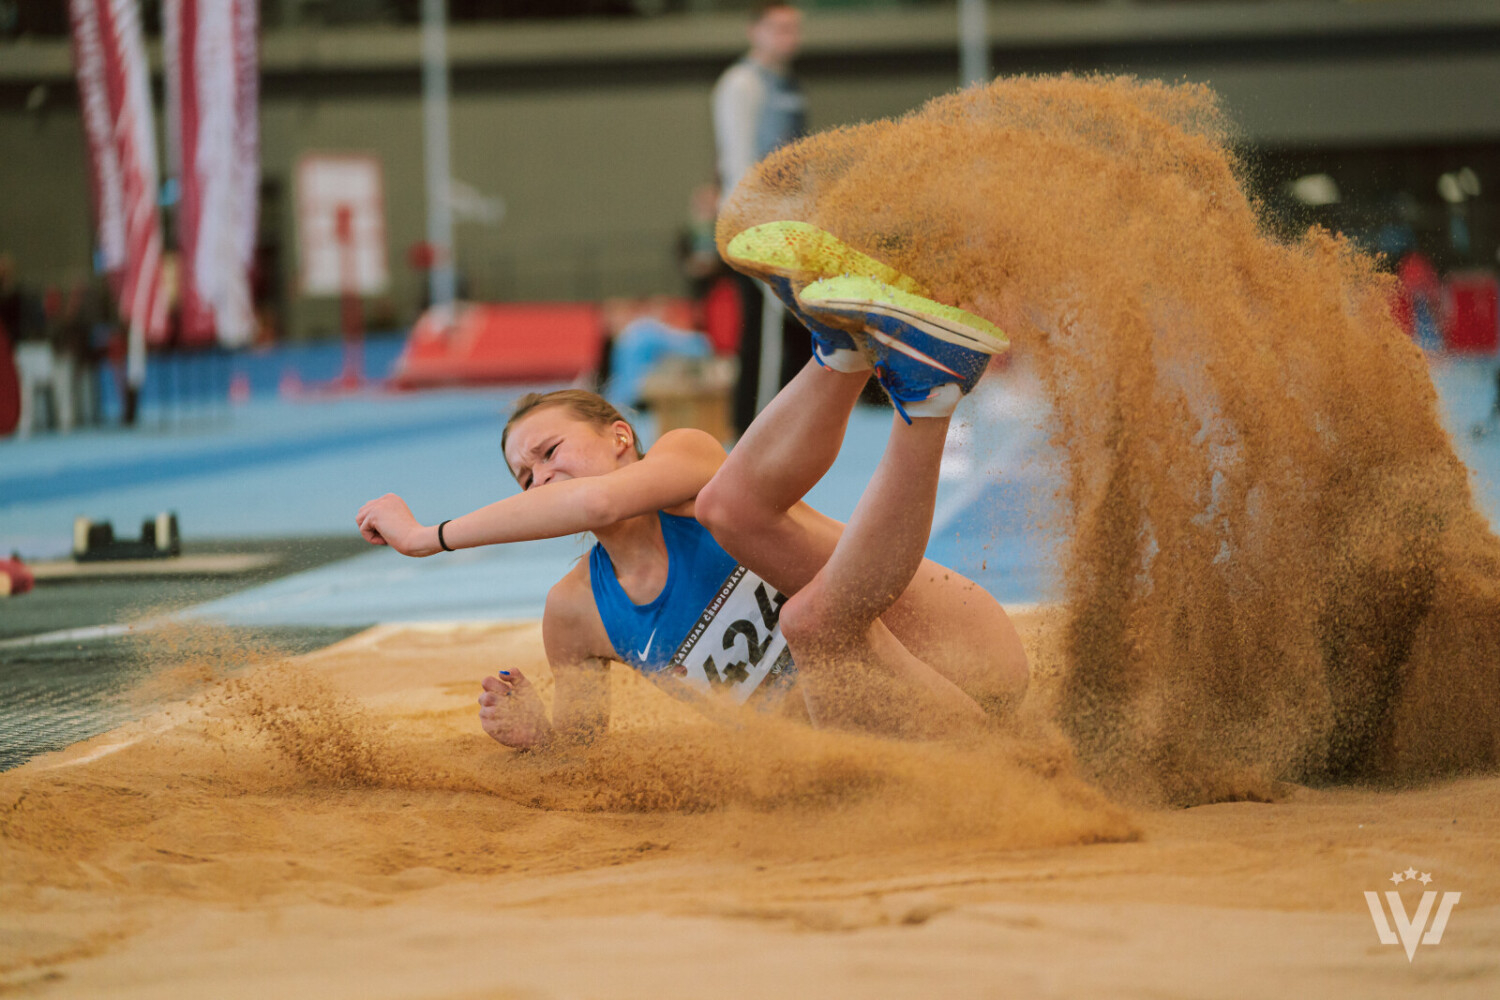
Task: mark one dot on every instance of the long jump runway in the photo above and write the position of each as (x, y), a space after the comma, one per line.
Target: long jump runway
(280, 470)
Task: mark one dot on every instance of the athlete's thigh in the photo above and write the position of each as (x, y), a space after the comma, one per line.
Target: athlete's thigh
(945, 619)
(786, 551)
(952, 624)
(867, 679)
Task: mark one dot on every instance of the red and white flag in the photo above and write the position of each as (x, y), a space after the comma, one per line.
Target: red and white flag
(212, 72)
(114, 90)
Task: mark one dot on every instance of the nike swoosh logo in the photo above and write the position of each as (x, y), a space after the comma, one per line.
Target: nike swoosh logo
(910, 351)
(931, 325)
(647, 651)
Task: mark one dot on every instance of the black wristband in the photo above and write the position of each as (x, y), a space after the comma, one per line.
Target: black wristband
(442, 544)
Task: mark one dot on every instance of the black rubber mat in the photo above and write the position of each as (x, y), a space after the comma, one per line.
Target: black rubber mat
(54, 693)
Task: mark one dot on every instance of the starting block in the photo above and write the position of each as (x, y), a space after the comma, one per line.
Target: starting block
(95, 541)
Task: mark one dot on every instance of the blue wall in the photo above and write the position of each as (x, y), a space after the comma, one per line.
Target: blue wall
(201, 379)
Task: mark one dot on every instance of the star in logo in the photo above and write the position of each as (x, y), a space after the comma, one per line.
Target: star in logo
(1396, 877)
(1410, 874)
(1426, 877)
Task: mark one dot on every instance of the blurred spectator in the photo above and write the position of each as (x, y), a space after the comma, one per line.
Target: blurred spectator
(1424, 290)
(758, 106)
(75, 361)
(263, 292)
(718, 309)
(1418, 306)
(22, 316)
(19, 309)
(699, 257)
(640, 337)
(10, 389)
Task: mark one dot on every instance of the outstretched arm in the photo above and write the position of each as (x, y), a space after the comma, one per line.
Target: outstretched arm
(671, 473)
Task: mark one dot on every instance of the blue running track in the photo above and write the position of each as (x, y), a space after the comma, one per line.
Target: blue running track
(287, 469)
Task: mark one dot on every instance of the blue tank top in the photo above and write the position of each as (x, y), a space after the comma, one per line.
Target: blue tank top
(714, 628)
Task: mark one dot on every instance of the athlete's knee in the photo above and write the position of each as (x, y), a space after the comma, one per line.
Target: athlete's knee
(804, 619)
(812, 619)
(726, 508)
(717, 506)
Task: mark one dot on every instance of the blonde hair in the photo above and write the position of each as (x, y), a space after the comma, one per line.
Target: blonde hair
(585, 405)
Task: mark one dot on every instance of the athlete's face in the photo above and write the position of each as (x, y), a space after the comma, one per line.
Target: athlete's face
(553, 443)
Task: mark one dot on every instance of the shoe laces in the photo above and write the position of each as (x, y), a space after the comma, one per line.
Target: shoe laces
(883, 374)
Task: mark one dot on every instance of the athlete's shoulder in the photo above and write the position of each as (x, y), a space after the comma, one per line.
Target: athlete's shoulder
(688, 441)
(690, 454)
(571, 599)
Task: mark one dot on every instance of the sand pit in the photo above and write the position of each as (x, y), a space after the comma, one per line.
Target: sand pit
(337, 826)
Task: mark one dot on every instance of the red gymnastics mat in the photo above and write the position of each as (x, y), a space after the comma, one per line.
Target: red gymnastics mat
(512, 342)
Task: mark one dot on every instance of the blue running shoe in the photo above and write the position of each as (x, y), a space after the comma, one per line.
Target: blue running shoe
(788, 255)
(928, 355)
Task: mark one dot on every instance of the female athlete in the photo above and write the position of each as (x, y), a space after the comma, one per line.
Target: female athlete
(712, 575)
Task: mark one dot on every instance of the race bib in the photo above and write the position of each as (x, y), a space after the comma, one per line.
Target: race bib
(736, 644)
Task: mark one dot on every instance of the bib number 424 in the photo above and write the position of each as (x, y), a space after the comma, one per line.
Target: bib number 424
(757, 644)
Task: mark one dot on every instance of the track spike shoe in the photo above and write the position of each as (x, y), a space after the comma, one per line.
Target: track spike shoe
(927, 355)
(788, 255)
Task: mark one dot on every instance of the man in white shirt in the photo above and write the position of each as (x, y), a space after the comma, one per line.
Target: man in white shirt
(758, 106)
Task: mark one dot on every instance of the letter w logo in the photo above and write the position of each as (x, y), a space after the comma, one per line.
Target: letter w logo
(1410, 928)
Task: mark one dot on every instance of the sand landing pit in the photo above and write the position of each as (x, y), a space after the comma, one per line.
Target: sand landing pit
(337, 825)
